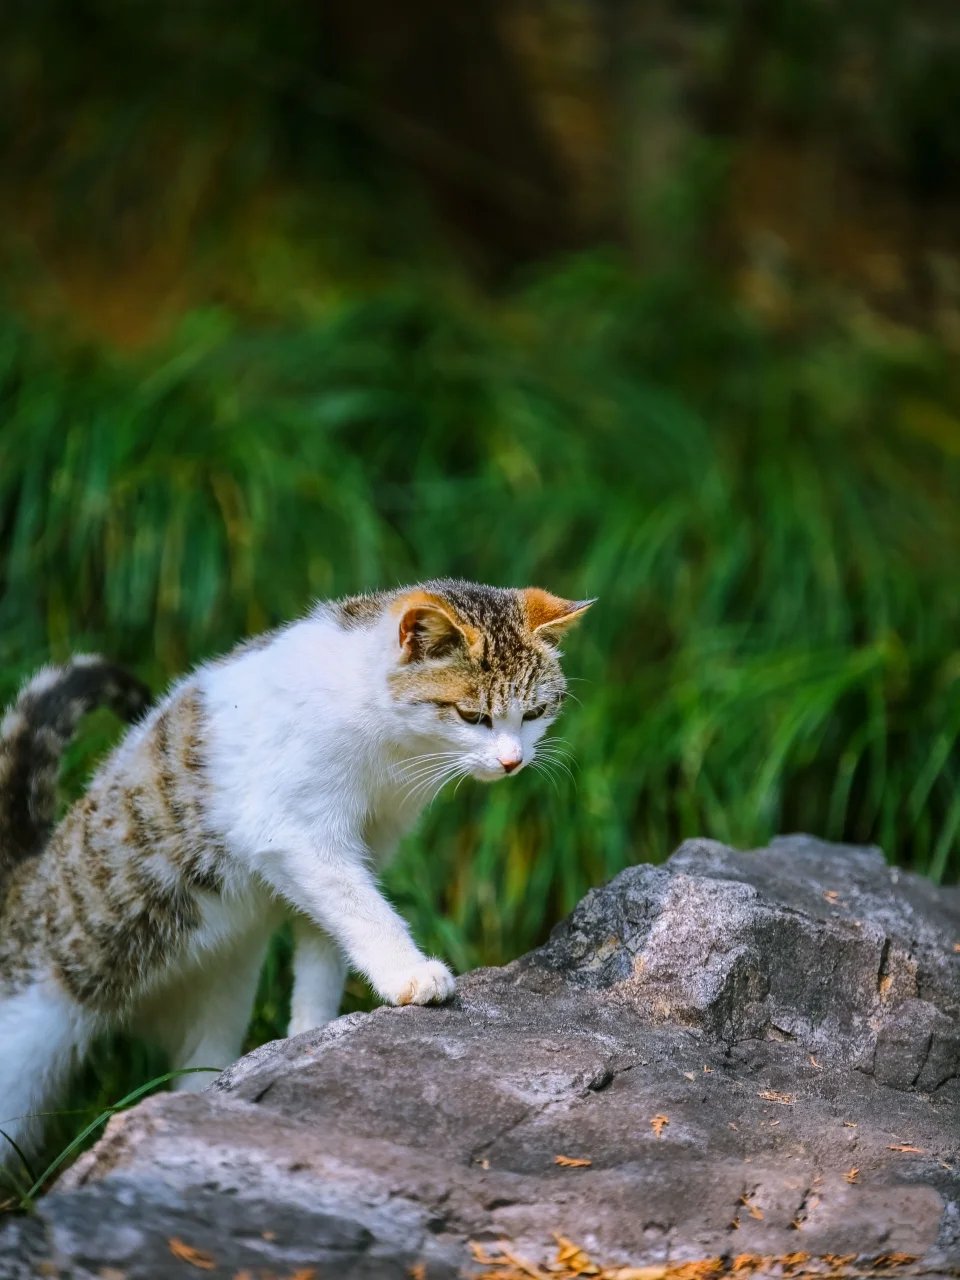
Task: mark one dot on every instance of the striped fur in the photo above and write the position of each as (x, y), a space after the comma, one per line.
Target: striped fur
(34, 734)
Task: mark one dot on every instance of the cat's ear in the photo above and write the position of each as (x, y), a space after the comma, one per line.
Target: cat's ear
(429, 629)
(549, 616)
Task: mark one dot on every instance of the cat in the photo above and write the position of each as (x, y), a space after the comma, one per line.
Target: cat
(270, 783)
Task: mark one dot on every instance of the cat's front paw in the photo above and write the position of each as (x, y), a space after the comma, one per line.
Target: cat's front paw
(428, 983)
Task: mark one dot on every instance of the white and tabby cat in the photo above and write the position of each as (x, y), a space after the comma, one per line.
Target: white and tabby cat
(272, 782)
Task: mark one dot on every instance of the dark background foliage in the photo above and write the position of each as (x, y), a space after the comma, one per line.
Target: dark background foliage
(654, 302)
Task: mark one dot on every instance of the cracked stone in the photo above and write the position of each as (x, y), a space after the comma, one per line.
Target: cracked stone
(793, 1011)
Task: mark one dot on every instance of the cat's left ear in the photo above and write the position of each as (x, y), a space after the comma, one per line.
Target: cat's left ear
(428, 628)
(549, 616)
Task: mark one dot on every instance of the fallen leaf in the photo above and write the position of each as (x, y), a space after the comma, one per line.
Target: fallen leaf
(305, 1273)
(527, 1268)
(111, 1273)
(849, 1124)
(483, 1162)
(418, 1271)
(791, 1261)
(572, 1162)
(852, 1175)
(956, 947)
(905, 1146)
(751, 1208)
(243, 1275)
(707, 1071)
(689, 1075)
(771, 1095)
(832, 896)
(814, 1063)
(658, 1124)
(198, 1258)
(268, 1235)
(566, 1249)
(572, 1257)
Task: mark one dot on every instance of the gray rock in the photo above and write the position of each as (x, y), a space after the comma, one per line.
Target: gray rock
(794, 1013)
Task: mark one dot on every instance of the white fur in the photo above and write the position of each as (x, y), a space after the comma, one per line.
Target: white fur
(43, 1032)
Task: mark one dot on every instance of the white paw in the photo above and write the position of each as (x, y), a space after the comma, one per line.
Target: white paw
(428, 983)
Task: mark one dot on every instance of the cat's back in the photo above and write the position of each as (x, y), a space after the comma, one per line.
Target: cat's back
(132, 870)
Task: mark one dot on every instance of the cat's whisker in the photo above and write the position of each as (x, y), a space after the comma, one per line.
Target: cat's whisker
(415, 774)
(542, 768)
(555, 768)
(464, 773)
(421, 785)
(439, 775)
(447, 775)
(553, 763)
(558, 753)
(405, 766)
(423, 767)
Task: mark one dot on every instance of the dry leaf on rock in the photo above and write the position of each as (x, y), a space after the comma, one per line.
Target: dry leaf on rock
(753, 1210)
(198, 1258)
(572, 1162)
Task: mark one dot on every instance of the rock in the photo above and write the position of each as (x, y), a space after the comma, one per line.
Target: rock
(821, 944)
(758, 1053)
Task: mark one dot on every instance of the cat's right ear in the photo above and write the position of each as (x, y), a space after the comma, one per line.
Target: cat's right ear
(428, 629)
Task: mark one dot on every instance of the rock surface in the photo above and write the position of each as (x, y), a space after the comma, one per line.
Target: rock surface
(726, 1039)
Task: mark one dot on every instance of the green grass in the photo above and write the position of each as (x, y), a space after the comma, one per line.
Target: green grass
(771, 521)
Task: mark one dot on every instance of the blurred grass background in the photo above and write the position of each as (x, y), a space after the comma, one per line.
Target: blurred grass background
(654, 303)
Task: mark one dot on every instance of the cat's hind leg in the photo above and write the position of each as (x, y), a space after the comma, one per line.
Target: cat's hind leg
(201, 1018)
(319, 972)
(43, 1033)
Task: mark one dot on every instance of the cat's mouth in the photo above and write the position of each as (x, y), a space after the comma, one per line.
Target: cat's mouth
(493, 772)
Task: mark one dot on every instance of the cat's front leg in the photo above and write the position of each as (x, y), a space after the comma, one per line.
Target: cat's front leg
(335, 889)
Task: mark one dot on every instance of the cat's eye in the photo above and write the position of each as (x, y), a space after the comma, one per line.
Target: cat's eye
(535, 712)
(475, 717)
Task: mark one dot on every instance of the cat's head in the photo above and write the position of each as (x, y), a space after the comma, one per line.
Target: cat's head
(475, 673)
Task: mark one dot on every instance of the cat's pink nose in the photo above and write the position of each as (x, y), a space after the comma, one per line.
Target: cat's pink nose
(510, 765)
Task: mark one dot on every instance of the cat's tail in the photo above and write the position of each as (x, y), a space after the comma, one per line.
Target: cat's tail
(33, 735)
